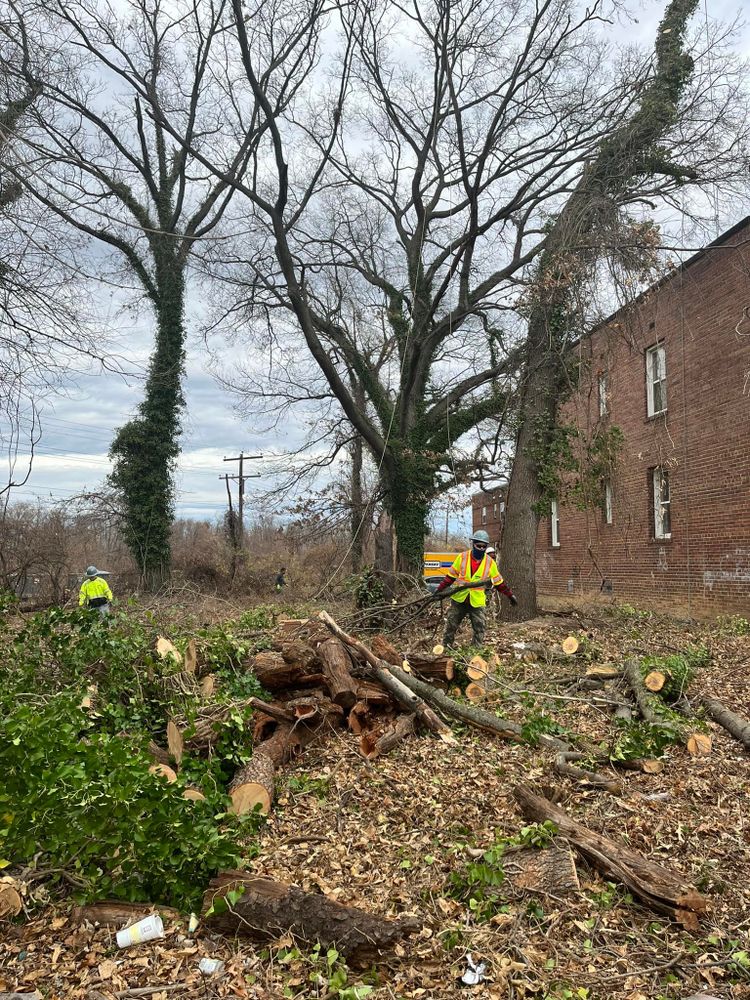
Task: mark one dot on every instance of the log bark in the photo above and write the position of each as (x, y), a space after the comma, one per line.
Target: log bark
(253, 784)
(277, 712)
(550, 871)
(301, 654)
(385, 650)
(268, 908)
(734, 724)
(657, 887)
(439, 668)
(651, 708)
(159, 754)
(383, 672)
(336, 663)
(565, 767)
(116, 913)
(275, 673)
(403, 727)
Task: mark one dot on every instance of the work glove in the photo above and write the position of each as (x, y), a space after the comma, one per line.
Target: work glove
(513, 600)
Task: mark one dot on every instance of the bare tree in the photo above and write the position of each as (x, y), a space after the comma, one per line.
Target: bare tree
(99, 156)
(424, 185)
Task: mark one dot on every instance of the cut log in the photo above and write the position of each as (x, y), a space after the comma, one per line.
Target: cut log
(475, 692)
(438, 649)
(373, 693)
(200, 735)
(164, 771)
(159, 754)
(438, 668)
(208, 686)
(193, 795)
(253, 785)
(550, 871)
(565, 767)
(654, 681)
(477, 669)
(604, 671)
(570, 645)
(699, 744)
(537, 651)
(336, 667)
(174, 741)
(181, 687)
(734, 724)
(266, 909)
(384, 672)
(288, 627)
(275, 673)
(403, 727)
(190, 661)
(648, 881)
(166, 649)
(651, 708)
(11, 903)
(272, 710)
(384, 650)
(116, 913)
(301, 654)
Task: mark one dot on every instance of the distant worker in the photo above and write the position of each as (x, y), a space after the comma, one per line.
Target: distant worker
(473, 566)
(95, 592)
(281, 579)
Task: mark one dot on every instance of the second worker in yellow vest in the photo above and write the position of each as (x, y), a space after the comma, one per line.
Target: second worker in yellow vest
(477, 567)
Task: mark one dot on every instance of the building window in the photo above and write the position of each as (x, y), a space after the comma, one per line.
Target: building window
(603, 394)
(662, 506)
(608, 518)
(484, 515)
(656, 380)
(494, 512)
(555, 525)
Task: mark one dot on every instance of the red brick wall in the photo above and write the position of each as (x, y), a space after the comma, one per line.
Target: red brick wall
(493, 525)
(703, 441)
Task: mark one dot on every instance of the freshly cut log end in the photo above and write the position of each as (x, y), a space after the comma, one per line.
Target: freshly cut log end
(477, 668)
(10, 900)
(253, 785)
(655, 681)
(193, 795)
(699, 744)
(165, 648)
(164, 771)
(475, 693)
(438, 650)
(603, 671)
(570, 645)
(208, 684)
(550, 871)
(174, 741)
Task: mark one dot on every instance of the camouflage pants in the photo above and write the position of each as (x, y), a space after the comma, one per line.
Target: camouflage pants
(456, 613)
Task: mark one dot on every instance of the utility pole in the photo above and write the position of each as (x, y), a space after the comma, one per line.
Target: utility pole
(241, 477)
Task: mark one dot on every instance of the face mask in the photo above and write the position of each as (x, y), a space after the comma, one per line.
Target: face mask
(478, 553)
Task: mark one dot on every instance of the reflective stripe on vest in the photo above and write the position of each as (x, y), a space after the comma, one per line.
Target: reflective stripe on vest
(464, 572)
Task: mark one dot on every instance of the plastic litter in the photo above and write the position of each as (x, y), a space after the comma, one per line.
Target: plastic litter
(148, 929)
(475, 972)
(193, 924)
(210, 966)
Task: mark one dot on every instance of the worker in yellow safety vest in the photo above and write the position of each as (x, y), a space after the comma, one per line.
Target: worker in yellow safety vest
(473, 566)
(95, 592)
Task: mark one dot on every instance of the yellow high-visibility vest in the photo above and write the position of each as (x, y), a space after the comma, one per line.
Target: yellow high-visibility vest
(94, 588)
(486, 571)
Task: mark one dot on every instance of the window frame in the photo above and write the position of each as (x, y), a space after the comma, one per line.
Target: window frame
(603, 389)
(554, 524)
(609, 517)
(484, 514)
(657, 353)
(659, 478)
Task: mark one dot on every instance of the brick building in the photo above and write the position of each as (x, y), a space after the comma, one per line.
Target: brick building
(488, 512)
(673, 373)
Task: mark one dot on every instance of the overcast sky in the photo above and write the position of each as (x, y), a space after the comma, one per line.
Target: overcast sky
(78, 426)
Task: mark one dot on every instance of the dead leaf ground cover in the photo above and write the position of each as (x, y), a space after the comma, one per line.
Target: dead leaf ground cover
(388, 834)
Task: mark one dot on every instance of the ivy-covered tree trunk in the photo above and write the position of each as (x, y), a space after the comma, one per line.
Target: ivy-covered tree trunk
(145, 449)
(407, 477)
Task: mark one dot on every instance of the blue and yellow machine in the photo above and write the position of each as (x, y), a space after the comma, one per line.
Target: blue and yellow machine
(436, 565)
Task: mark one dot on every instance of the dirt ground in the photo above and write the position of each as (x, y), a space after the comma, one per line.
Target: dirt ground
(388, 834)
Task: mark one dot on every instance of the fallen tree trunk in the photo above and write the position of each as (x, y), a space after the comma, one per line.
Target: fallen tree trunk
(266, 909)
(116, 913)
(654, 885)
(336, 663)
(385, 673)
(651, 708)
(734, 724)
(564, 766)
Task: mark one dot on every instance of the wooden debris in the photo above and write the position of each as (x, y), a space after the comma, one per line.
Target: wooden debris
(190, 663)
(734, 724)
(603, 671)
(402, 727)
(655, 681)
(116, 913)
(193, 795)
(164, 771)
(475, 692)
(253, 784)
(336, 668)
(651, 708)
(11, 903)
(549, 871)
(654, 885)
(208, 685)
(166, 649)
(267, 908)
(438, 649)
(272, 710)
(384, 650)
(159, 754)
(175, 741)
(570, 645)
(699, 744)
(564, 766)
(276, 673)
(477, 669)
